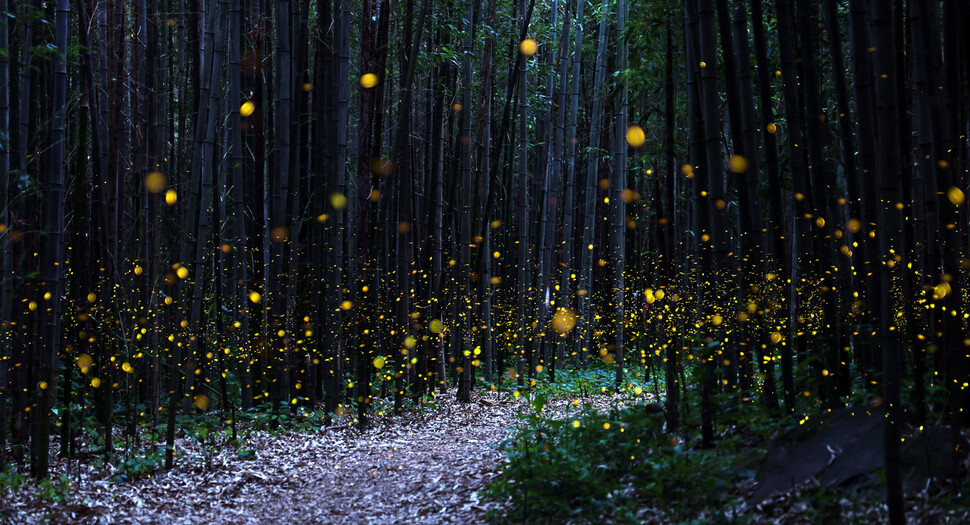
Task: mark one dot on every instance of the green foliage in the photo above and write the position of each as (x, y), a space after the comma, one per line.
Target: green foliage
(9, 477)
(54, 490)
(51, 490)
(578, 382)
(616, 467)
(246, 454)
(139, 465)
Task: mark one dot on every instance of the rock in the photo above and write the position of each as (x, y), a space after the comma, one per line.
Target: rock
(845, 448)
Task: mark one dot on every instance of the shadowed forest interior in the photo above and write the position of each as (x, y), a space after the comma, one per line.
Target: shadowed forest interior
(261, 208)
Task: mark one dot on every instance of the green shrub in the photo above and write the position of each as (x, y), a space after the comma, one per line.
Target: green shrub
(617, 467)
(137, 466)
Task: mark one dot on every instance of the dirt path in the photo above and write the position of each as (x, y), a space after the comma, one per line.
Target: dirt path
(419, 467)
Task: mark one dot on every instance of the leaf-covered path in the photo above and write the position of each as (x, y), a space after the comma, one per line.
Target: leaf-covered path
(423, 466)
(416, 468)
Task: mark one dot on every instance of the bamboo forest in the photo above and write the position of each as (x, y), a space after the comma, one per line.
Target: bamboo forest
(458, 261)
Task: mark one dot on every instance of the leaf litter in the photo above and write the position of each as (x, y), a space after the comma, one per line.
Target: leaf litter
(425, 465)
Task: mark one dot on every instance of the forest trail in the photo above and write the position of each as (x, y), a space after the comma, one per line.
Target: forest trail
(423, 466)
(415, 468)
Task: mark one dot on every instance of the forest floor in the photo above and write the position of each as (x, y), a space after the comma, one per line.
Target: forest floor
(423, 466)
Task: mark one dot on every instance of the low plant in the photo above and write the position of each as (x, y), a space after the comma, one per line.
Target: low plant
(10, 478)
(139, 465)
(54, 490)
(591, 467)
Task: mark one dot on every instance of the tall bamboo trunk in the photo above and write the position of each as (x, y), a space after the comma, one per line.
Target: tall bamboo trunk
(52, 252)
(465, 150)
(584, 342)
(665, 227)
(753, 243)
(523, 184)
(618, 199)
(866, 359)
(545, 344)
(824, 212)
(802, 261)
(6, 251)
(568, 240)
(889, 238)
(779, 231)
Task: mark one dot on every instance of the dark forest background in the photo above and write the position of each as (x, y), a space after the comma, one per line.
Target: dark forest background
(257, 205)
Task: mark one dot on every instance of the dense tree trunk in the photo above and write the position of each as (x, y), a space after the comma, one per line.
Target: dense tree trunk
(620, 194)
(665, 226)
(6, 249)
(779, 237)
(522, 335)
(889, 238)
(51, 250)
(565, 333)
(465, 152)
(584, 343)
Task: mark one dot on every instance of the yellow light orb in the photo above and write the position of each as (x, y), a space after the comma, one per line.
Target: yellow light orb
(338, 201)
(635, 136)
(436, 326)
(182, 272)
(738, 164)
(138, 270)
(171, 197)
(772, 128)
(955, 196)
(155, 182)
(247, 108)
(279, 234)
(563, 321)
(368, 80)
(254, 297)
(379, 363)
(201, 402)
(528, 47)
(95, 382)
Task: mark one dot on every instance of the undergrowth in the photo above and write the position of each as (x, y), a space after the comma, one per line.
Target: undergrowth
(617, 467)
